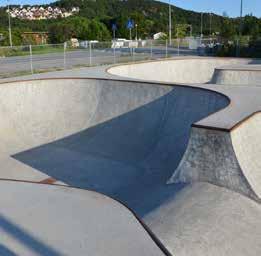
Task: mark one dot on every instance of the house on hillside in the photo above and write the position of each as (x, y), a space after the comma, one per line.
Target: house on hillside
(35, 37)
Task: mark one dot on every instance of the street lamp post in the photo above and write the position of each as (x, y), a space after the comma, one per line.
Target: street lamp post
(9, 25)
(241, 17)
(210, 24)
(240, 28)
(201, 35)
(170, 24)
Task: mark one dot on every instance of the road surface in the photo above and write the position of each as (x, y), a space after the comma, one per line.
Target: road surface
(76, 58)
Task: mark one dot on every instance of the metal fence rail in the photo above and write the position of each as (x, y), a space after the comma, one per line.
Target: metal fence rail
(20, 60)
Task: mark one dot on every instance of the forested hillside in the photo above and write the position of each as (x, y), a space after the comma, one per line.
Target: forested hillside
(95, 19)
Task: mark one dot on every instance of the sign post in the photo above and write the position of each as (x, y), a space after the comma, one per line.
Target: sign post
(114, 28)
(130, 26)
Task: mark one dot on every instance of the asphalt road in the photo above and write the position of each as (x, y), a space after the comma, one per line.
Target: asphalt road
(43, 62)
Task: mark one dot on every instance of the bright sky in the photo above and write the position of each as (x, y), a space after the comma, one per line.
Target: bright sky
(231, 7)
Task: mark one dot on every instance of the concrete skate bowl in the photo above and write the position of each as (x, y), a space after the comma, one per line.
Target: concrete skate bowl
(86, 132)
(188, 70)
(123, 139)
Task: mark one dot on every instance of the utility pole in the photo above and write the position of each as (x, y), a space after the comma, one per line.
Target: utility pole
(9, 25)
(170, 24)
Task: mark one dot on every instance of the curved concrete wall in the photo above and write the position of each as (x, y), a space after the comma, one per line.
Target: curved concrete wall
(98, 128)
(38, 112)
(229, 159)
(236, 76)
(246, 141)
(210, 158)
(186, 71)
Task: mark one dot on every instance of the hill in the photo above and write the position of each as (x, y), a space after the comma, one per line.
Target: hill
(95, 19)
(151, 16)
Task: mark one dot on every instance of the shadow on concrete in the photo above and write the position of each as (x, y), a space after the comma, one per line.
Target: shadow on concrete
(130, 157)
(255, 62)
(24, 238)
(6, 252)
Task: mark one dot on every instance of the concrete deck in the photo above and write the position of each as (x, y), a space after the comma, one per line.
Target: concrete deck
(238, 75)
(57, 221)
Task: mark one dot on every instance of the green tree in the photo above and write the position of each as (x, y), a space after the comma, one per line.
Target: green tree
(228, 30)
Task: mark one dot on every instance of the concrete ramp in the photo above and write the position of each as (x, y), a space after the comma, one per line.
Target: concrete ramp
(224, 71)
(229, 158)
(179, 70)
(238, 75)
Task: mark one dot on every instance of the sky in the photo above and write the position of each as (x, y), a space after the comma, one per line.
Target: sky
(231, 7)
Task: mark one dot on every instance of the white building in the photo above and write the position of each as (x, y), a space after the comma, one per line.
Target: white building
(159, 35)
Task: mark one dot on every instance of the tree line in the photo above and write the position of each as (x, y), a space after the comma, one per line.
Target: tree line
(96, 18)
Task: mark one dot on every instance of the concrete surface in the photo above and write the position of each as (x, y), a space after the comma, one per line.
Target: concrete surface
(126, 139)
(114, 137)
(102, 127)
(204, 219)
(57, 221)
(179, 70)
(210, 157)
(238, 75)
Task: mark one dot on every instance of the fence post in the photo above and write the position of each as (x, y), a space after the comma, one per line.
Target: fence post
(31, 59)
(151, 53)
(237, 48)
(166, 54)
(114, 52)
(64, 54)
(178, 45)
(130, 51)
(90, 53)
(133, 53)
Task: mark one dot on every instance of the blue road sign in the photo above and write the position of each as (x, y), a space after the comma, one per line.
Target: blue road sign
(114, 26)
(130, 24)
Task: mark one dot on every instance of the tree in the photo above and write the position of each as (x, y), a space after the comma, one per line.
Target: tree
(59, 33)
(181, 30)
(228, 29)
(80, 28)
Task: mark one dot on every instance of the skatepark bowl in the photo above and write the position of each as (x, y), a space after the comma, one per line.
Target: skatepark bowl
(162, 158)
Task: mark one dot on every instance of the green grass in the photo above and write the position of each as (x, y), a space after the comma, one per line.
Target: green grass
(25, 51)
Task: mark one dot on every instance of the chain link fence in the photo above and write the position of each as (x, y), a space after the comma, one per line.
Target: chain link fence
(31, 59)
